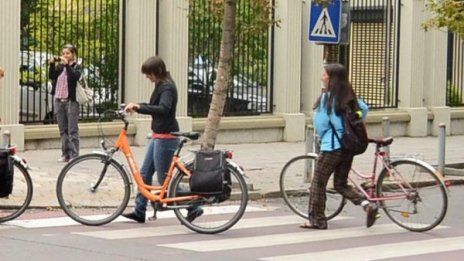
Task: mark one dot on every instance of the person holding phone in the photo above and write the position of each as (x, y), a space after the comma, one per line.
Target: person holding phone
(64, 73)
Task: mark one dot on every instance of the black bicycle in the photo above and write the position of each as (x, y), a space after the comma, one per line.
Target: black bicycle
(15, 203)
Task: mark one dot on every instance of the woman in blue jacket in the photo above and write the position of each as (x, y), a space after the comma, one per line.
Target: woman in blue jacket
(338, 95)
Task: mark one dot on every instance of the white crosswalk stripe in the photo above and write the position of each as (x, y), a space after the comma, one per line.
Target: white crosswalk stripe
(266, 221)
(66, 221)
(178, 230)
(382, 251)
(287, 239)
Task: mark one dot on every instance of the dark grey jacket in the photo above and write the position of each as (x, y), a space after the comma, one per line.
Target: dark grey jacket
(162, 108)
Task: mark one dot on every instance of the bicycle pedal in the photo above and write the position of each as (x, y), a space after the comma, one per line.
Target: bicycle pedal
(158, 207)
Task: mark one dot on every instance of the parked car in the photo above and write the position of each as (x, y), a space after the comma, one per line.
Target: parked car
(36, 103)
(244, 94)
(35, 98)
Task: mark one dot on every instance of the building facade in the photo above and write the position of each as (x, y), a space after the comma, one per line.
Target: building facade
(297, 64)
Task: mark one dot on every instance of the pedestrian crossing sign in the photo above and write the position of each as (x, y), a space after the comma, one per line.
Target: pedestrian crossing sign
(324, 22)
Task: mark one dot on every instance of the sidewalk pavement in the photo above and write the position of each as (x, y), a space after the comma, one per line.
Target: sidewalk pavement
(262, 162)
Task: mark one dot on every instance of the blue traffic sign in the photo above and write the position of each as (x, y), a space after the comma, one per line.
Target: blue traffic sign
(324, 23)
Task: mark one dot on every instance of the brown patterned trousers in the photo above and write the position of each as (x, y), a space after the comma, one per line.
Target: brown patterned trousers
(336, 162)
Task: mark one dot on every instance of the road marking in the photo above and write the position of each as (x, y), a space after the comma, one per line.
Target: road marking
(286, 239)
(67, 221)
(384, 251)
(179, 230)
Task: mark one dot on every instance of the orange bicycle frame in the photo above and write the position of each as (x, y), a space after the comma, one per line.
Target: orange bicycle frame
(160, 194)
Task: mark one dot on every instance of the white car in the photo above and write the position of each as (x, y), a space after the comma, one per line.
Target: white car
(36, 100)
(36, 103)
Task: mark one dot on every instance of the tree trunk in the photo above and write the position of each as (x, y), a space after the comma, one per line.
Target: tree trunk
(220, 90)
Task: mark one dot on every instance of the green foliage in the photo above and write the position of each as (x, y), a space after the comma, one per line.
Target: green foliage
(32, 77)
(91, 25)
(446, 14)
(252, 31)
(454, 95)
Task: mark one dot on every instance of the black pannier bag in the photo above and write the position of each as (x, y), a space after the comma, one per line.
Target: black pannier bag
(210, 175)
(6, 173)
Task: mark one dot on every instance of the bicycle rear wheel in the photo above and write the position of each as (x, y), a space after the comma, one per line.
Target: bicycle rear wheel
(295, 184)
(17, 202)
(217, 216)
(426, 202)
(93, 189)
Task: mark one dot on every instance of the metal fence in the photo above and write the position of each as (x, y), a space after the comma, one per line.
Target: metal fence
(249, 88)
(455, 71)
(371, 55)
(46, 25)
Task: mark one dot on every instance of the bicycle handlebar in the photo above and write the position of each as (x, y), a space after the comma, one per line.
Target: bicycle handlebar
(122, 114)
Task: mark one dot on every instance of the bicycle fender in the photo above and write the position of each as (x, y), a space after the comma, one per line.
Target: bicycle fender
(425, 165)
(236, 167)
(20, 161)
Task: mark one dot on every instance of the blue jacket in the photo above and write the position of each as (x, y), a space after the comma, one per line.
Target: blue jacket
(324, 131)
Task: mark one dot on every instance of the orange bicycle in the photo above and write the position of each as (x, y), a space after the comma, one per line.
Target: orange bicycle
(94, 189)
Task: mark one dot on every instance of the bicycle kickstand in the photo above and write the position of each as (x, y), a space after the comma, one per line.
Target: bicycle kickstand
(155, 206)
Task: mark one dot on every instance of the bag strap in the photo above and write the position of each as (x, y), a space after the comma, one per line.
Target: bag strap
(334, 131)
(334, 134)
(82, 78)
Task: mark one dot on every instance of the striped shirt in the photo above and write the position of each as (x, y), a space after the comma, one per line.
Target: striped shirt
(62, 85)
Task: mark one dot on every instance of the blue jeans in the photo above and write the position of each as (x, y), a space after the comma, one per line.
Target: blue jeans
(158, 158)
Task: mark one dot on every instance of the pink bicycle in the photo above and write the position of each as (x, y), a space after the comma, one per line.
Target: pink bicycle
(411, 192)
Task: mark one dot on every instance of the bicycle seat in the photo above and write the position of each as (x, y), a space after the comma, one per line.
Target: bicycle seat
(382, 142)
(190, 134)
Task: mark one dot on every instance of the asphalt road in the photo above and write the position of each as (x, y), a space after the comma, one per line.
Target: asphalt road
(268, 231)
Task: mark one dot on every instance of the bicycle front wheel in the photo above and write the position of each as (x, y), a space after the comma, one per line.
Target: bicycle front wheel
(422, 204)
(13, 205)
(295, 184)
(93, 189)
(216, 216)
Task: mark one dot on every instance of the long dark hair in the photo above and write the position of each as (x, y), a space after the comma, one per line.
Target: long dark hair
(339, 89)
(156, 66)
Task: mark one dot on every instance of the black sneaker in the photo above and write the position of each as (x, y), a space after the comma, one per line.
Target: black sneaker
(134, 217)
(371, 211)
(194, 213)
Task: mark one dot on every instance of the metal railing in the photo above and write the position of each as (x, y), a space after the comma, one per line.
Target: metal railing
(371, 55)
(249, 89)
(455, 71)
(90, 25)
